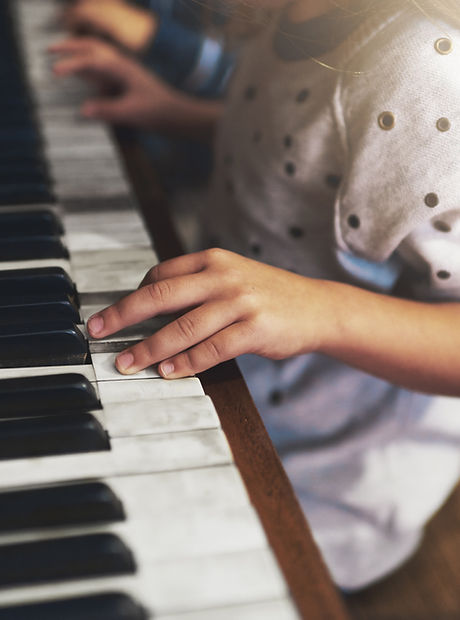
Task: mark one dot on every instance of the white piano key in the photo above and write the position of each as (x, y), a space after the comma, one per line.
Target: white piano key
(106, 230)
(64, 114)
(219, 579)
(111, 270)
(55, 208)
(33, 16)
(166, 415)
(32, 264)
(179, 586)
(127, 390)
(128, 455)
(282, 609)
(38, 371)
(108, 190)
(192, 531)
(106, 169)
(169, 492)
(61, 133)
(104, 369)
(79, 150)
(78, 158)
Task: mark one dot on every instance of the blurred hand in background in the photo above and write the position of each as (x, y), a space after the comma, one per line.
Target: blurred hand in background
(125, 24)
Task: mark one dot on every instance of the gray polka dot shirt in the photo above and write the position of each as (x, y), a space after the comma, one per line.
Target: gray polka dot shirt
(346, 166)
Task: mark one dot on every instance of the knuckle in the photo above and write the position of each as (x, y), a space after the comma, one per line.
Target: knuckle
(232, 278)
(159, 292)
(146, 350)
(185, 362)
(153, 274)
(186, 327)
(215, 256)
(214, 351)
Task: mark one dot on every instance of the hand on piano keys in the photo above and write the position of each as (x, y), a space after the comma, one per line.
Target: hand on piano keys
(132, 95)
(231, 305)
(129, 94)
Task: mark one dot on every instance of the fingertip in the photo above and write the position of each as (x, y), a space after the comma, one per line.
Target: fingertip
(124, 363)
(166, 369)
(96, 325)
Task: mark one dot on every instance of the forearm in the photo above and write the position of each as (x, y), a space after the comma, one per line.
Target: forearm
(189, 117)
(412, 344)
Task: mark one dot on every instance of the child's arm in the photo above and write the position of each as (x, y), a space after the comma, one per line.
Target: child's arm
(131, 26)
(131, 95)
(234, 305)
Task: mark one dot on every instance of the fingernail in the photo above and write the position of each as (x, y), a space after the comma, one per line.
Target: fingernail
(125, 360)
(96, 324)
(167, 368)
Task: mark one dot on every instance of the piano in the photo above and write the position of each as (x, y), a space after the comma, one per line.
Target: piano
(120, 497)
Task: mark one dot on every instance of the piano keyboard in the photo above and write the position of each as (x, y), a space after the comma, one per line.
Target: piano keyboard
(119, 497)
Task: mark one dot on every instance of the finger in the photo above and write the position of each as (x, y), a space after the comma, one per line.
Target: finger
(76, 65)
(108, 109)
(222, 346)
(183, 333)
(179, 266)
(162, 297)
(72, 45)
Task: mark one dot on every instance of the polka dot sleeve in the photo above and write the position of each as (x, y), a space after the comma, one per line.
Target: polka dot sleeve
(399, 122)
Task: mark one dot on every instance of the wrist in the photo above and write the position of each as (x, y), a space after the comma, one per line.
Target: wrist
(187, 116)
(331, 303)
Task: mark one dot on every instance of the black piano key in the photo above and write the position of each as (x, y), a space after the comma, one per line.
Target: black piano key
(47, 394)
(29, 224)
(18, 173)
(13, 150)
(16, 116)
(42, 344)
(30, 308)
(110, 606)
(37, 281)
(64, 558)
(23, 134)
(22, 158)
(32, 248)
(49, 435)
(26, 193)
(73, 504)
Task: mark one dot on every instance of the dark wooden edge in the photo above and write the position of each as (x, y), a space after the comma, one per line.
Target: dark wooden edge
(268, 486)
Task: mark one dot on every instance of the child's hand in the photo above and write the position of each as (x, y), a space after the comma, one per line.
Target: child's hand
(130, 94)
(128, 25)
(233, 305)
